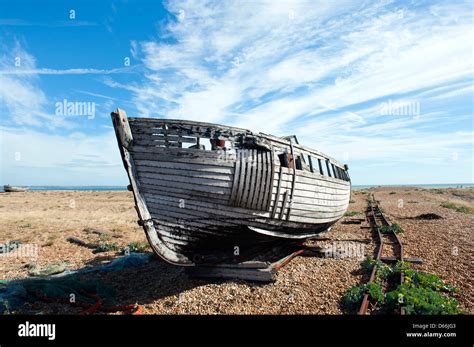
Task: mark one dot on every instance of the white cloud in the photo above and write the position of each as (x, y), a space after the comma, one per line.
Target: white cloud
(78, 71)
(305, 67)
(20, 97)
(45, 159)
(134, 48)
(231, 53)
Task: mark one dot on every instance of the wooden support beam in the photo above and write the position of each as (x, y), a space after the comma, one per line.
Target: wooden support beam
(409, 260)
(227, 272)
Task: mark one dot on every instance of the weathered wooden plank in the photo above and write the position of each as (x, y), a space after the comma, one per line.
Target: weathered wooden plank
(184, 173)
(317, 210)
(258, 275)
(277, 191)
(248, 177)
(285, 200)
(165, 211)
(268, 180)
(249, 264)
(186, 166)
(259, 185)
(303, 189)
(243, 173)
(162, 140)
(271, 159)
(122, 129)
(193, 229)
(164, 137)
(309, 178)
(160, 145)
(298, 219)
(317, 195)
(293, 182)
(211, 182)
(186, 186)
(265, 193)
(184, 125)
(188, 159)
(191, 235)
(235, 183)
(319, 177)
(253, 179)
(317, 187)
(308, 203)
(219, 156)
(161, 188)
(191, 224)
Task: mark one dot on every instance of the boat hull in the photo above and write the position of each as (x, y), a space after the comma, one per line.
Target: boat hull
(203, 206)
(11, 189)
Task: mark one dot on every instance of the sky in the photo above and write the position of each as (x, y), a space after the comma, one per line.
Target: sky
(384, 86)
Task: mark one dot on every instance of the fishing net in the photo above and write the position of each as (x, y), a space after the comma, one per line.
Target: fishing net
(68, 290)
(70, 287)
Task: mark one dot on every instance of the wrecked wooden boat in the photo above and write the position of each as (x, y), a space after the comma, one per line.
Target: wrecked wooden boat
(12, 189)
(208, 194)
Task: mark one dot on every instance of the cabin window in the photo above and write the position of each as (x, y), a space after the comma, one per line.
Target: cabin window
(217, 144)
(341, 173)
(328, 169)
(320, 165)
(310, 162)
(337, 171)
(344, 176)
(191, 142)
(284, 161)
(347, 175)
(299, 162)
(305, 162)
(206, 144)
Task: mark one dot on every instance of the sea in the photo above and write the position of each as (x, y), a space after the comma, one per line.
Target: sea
(425, 186)
(81, 188)
(355, 186)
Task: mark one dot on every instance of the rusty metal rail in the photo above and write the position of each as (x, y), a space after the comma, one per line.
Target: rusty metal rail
(376, 219)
